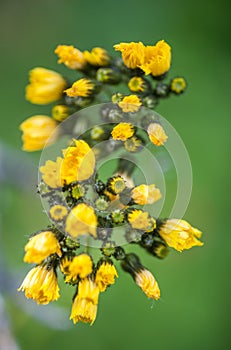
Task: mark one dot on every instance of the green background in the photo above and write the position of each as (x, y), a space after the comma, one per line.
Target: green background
(194, 311)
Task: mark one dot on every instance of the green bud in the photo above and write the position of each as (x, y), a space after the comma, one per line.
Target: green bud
(77, 191)
(115, 115)
(108, 76)
(162, 90)
(147, 240)
(70, 243)
(131, 263)
(119, 253)
(101, 203)
(150, 101)
(82, 101)
(117, 216)
(108, 249)
(159, 250)
(97, 133)
(117, 97)
(133, 236)
(99, 186)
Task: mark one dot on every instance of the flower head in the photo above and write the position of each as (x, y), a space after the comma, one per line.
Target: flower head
(79, 266)
(157, 134)
(81, 220)
(97, 57)
(70, 56)
(60, 112)
(84, 308)
(128, 179)
(122, 131)
(51, 172)
(58, 212)
(41, 246)
(78, 163)
(133, 54)
(179, 234)
(133, 144)
(178, 85)
(130, 104)
(77, 191)
(41, 285)
(105, 275)
(147, 282)
(141, 220)
(145, 194)
(157, 59)
(116, 185)
(82, 87)
(45, 86)
(38, 132)
(136, 84)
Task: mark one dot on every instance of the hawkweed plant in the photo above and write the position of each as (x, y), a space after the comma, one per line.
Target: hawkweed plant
(106, 113)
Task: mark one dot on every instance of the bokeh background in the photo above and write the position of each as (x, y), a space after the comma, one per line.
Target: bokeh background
(194, 311)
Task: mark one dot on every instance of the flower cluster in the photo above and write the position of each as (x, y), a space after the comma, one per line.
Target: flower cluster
(142, 70)
(84, 209)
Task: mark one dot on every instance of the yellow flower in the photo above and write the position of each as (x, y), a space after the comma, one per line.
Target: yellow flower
(78, 163)
(122, 131)
(60, 112)
(178, 85)
(133, 144)
(41, 285)
(70, 56)
(146, 281)
(145, 194)
(84, 308)
(41, 246)
(105, 275)
(82, 87)
(116, 185)
(45, 86)
(128, 180)
(157, 134)
(157, 59)
(81, 220)
(79, 266)
(111, 196)
(133, 54)
(136, 84)
(58, 212)
(130, 103)
(141, 220)
(51, 173)
(38, 132)
(78, 191)
(179, 234)
(97, 57)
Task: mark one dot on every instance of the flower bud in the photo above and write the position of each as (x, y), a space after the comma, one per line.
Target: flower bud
(179, 234)
(178, 85)
(38, 132)
(45, 86)
(108, 76)
(157, 134)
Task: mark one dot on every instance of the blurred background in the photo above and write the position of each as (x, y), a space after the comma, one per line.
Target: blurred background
(194, 310)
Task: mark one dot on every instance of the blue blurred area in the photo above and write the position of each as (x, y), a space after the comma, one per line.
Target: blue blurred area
(194, 310)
